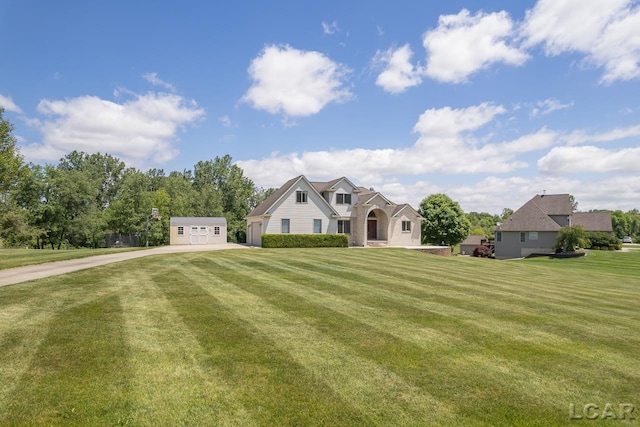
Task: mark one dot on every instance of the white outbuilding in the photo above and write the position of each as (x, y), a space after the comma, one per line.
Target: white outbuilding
(197, 230)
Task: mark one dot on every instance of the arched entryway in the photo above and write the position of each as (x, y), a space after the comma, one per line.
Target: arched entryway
(372, 226)
(377, 224)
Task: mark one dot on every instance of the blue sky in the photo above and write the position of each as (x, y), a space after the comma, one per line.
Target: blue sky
(489, 102)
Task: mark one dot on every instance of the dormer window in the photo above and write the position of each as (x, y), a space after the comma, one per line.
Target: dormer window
(343, 199)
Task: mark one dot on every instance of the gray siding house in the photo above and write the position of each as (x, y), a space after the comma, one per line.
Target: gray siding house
(470, 243)
(334, 207)
(534, 227)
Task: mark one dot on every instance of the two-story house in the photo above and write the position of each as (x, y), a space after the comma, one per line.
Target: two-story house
(304, 207)
(534, 227)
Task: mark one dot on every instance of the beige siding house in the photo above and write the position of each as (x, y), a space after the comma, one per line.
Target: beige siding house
(197, 230)
(338, 206)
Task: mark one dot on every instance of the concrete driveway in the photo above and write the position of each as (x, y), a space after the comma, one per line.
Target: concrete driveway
(12, 276)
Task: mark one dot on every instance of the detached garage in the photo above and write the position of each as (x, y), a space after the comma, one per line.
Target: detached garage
(197, 231)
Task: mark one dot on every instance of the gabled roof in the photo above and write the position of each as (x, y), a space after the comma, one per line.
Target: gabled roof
(593, 221)
(554, 204)
(402, 207)
(367, 195)
(330, 186)
(264, 207)
(535, 215)
(531, 217)
(274, 197)
(474, 239)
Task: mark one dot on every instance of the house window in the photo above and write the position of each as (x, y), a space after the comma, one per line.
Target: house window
(301, 197)
(216, 230)
(406, 226)
(344, 226)
(317, 226)
(285, 226)
(499, 236)
(343, 199)
(180, 231)
(523, 236)
(533, 235)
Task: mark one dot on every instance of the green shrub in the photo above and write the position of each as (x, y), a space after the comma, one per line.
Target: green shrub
(305, 241)
(571, 238)
(603, 240)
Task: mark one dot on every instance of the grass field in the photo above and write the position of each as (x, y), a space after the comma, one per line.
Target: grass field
(10, 258)
(324, 337)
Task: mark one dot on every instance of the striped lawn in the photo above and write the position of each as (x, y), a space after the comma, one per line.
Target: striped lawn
(323, 337)
(10, 258)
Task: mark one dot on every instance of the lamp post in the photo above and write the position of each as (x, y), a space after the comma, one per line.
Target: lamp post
(154, 214)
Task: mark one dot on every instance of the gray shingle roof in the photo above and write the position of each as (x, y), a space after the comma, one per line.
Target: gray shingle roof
(593, 221)
(535, 215)
(554, 204)
(473, 239)
(269, 201)
(530, 217)
(364, 195)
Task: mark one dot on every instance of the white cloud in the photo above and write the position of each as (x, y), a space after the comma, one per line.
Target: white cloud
(563, 160)
(445, 144)
(605, 31)
(463, 44)
(295, 82)
(399, 74)
(491, 194)
(547, 106)
(618, 50)
(580, 137)
(156, 81)
(226, 121)
(330, 28)
(137, 130)
(568, 25)
(7, 103)
(446, 122)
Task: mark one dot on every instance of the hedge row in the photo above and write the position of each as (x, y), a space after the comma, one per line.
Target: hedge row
(603, 240)
(305, 241)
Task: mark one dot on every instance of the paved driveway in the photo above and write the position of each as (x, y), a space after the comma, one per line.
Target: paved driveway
(12, 276)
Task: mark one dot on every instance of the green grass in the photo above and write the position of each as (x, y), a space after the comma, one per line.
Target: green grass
(322, 337)
(10, 258)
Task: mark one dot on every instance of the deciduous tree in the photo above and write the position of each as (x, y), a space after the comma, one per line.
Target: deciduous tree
(444, 220)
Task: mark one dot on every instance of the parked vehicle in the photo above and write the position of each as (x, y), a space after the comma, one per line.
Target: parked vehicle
(627, 239)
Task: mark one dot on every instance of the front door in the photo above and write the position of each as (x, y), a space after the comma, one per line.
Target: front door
(372, 229)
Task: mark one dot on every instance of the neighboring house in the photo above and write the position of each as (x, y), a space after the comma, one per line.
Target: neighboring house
(471, 242)
(197, 230)
(534, 227)
(335, 207)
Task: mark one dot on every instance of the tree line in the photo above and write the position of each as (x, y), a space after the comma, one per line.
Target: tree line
(86, 196)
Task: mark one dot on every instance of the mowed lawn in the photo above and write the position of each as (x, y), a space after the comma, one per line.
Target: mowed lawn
(10, 258)
(324, 337)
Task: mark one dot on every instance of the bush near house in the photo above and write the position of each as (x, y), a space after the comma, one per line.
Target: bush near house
(305, 241)
(603, 240)
(571, 238)
(482, 251)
